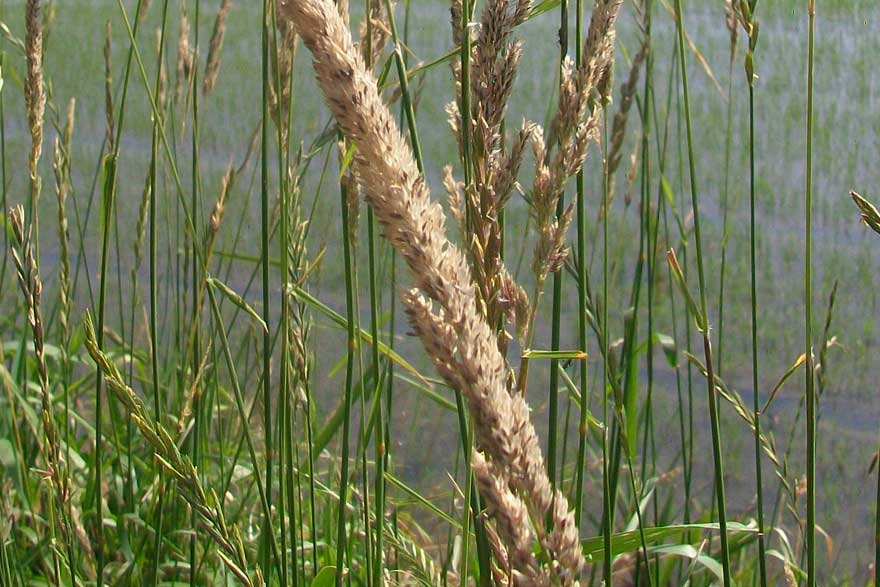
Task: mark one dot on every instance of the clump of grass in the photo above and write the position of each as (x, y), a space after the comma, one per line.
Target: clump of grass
(180, 466)
(185, 484)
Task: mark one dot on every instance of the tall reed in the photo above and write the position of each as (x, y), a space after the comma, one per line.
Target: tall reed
(750, 24)
(701, 312)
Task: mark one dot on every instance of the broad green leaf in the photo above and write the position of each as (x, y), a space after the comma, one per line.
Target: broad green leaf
(326, 577)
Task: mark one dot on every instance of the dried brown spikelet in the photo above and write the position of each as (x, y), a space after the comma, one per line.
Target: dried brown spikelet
(193, 393)
(599, 44)
(731, 15)
(571, 131)
(374, 33)
(516, 301)
(870, 214)
(185, 57)
(212, 66)
(144, 8)
(790, 579)
(618, 127)
(511, 520)
(443, 309)
(62, 190)
(162, 90)
(69, 124)
(34, 91)
(31, 286)
(495, 60)
(282, 76)
(454, 190)
(455, 8)
(217, 214)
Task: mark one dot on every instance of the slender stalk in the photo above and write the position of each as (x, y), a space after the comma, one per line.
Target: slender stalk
(154, 348)
(582, 297)
(607, 497)
(3, 187)
(264, 248)
(725, 195)
(472, 502)
(553, 407)
(759, 477)
(877, 527)
(376, 571)
(704, 321)
(341, 534)
(808, 314)
(197, 270)
(286, 501)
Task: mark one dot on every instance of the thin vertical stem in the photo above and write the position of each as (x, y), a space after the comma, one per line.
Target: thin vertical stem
(704, 317)
(376, 577)
(264, 248)
(759, 476)
(607, 498)
(196, 280)
(341, 534)
(553, 407)
(808, 314)
(582, 297)
(154, 346)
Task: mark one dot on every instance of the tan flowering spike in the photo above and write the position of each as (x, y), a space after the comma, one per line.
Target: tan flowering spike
(34, 92)
(444, 311)
(212, 66)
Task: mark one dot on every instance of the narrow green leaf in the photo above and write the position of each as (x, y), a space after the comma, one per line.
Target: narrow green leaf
(424, 502)
(533, 354)
(623, 542)
(791, 370)
(340, 320)
(236, 299)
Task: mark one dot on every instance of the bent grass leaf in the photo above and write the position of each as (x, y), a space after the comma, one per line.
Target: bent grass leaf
(236, 299)
(340, 320)
(791, 370)
(629, 541)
